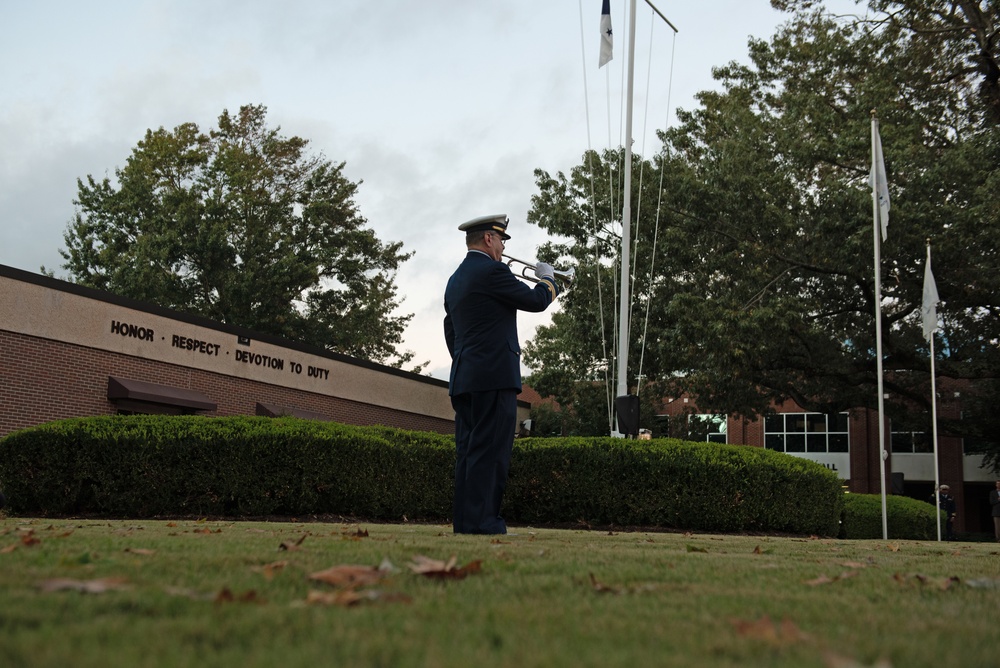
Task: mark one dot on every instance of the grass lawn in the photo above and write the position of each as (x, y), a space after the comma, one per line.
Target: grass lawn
(86, 592)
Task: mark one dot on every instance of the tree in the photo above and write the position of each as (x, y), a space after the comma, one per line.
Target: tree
(762, 287)
(242, 226)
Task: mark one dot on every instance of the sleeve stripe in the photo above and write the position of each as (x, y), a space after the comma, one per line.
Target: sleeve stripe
(553, 290)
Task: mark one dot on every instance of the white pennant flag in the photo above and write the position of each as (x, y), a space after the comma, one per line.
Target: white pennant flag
(929, 307)
(606, 42)
(880, 186)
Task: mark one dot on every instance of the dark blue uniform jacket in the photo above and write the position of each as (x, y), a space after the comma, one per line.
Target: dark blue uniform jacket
(480, 324)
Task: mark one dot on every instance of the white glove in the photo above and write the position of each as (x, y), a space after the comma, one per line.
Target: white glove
(543, 270)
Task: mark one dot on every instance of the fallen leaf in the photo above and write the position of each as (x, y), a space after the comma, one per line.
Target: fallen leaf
(602, 588)
(445, 570)
(350, 597)
(348, 576)
(765, 629)
(289, 546)
(824, 579)
(10, 548)
(140, 551)
(98, 586)
(227, 596)
(355, 535)
(270, 569)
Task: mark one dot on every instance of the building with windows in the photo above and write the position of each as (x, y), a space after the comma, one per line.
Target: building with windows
(847, 443)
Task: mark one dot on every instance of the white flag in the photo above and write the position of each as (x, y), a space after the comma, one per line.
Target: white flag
(929, 307)
(606, 42)
(880, 187)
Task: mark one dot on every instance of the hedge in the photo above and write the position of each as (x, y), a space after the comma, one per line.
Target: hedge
(148, 466)
(906, 518)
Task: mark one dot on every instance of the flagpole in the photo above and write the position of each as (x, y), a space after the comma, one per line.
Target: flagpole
(623, 305)
(937, 474)
(934, 431)
(624, 301)
(878, 326)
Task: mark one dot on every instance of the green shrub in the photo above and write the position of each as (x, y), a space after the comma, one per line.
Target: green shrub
(670, 483)
(906, 518)
(141, 466)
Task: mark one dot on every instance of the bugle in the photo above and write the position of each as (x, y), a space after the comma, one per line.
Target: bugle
(568, 275)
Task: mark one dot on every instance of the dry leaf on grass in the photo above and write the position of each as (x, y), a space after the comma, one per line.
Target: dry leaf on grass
(943, 584)
(28, 538)
(825, 579)
(140, 551)
(348, 576)
(98, 586)
(765, 629)
(290, 546)
(350, 597)
(225, 595)
(357, 534)
(602, 588)
(434, 568)
(268, 570)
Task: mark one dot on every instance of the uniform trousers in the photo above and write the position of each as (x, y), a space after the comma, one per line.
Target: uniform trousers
(484, 437)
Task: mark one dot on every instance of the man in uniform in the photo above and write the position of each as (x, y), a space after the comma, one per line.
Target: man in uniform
(481, 303)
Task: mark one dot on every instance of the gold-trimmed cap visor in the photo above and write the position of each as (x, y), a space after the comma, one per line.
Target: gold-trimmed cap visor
(495, 223)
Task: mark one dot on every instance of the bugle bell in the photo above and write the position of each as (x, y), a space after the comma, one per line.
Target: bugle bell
(564, 275)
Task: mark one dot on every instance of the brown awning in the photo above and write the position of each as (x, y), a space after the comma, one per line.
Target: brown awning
(126, 389)
(274, 410)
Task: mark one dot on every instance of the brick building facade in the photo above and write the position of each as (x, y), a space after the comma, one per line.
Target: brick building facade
(848, 444)
(70, 351)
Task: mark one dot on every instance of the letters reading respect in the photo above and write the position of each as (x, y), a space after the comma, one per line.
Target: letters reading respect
(185, 343)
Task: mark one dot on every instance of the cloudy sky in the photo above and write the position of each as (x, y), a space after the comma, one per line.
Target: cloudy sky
(442, 108)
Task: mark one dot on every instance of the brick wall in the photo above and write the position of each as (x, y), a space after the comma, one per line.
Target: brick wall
(43, 380)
